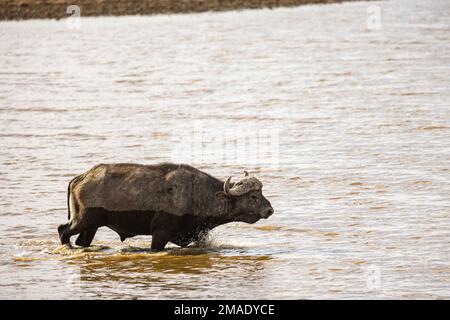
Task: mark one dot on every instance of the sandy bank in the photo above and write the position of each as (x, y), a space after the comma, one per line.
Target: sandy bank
(56, 9)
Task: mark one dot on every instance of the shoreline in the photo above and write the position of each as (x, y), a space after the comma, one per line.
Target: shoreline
(56, 9)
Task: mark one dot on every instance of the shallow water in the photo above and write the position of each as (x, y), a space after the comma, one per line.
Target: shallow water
(359, 176)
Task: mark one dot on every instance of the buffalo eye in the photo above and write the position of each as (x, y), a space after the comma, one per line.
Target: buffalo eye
(254, 198)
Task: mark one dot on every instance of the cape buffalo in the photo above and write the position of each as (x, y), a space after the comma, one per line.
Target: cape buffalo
(171, 202)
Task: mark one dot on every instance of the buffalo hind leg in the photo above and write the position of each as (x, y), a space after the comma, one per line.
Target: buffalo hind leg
(68, 230)
(62, 231)
(85, 238)
(91, 218)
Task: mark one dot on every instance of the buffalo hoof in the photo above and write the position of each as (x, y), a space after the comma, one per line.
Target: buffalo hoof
(62, 231)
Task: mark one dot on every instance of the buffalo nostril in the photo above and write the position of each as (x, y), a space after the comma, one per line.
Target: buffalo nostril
(267, 213)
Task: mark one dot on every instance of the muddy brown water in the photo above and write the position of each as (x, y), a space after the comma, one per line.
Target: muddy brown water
(359, 176)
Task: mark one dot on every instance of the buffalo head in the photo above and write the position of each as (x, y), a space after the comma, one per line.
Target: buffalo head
(247, 203)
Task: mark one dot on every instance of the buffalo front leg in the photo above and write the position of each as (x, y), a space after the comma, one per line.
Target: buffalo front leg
(85, 238)
(182, 242)
(159, 240)
(202, 238)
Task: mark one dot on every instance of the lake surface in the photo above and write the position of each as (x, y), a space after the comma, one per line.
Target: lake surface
(356, 124)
